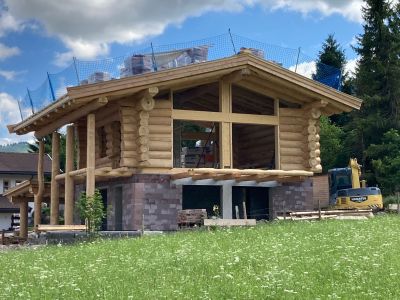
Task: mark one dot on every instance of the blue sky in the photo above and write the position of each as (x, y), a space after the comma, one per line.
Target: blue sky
(39, 36)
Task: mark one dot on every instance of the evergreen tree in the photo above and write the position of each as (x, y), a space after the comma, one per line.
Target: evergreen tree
(377, 83)
(332, 61)
(330, 64)
(377, 74)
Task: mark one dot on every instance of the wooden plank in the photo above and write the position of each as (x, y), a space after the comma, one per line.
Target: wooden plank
(229, 222)
(44, 227)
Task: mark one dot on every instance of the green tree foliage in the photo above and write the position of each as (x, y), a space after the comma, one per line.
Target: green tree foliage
(378, 72)
(91, 209)
(34, 148)
(331, 144)
(377, 82)
(386, 161)
(333, 55)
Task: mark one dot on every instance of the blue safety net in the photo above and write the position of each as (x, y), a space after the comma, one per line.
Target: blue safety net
(160, 57)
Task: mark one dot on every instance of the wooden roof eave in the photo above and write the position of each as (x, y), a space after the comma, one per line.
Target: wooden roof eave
(23, 187)
(275, 72)
(194, 73)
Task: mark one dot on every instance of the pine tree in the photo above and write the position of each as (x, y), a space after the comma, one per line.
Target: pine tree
(377, 83)
(377, 74)
(331, 62)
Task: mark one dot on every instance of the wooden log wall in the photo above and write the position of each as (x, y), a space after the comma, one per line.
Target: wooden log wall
(108, 136)
(312, 132)
(254, 146)
(135, 130)
(160, 135)
(293, 147)
(129, 129)
(113, 142)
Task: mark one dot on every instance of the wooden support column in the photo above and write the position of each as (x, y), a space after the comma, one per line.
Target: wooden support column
(225, 130)
(69, 181)
(23, 219)
(38, 197)
(90, 155)
(55, 170)
(277, 139)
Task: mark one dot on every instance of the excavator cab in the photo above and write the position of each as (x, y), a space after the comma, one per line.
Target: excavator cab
(346, 191)
(339, 179)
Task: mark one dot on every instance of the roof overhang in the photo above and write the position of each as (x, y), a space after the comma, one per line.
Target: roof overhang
(26, 190)
(81, 100)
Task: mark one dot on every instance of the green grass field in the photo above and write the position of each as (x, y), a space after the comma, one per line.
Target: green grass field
(334, 259)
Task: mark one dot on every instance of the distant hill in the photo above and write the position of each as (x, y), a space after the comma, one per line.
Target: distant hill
(21, 147)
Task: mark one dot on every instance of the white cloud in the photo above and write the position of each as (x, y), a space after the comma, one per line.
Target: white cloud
(87, 28)
(8, 23)
(306, 69)
(6, 52)
(9, 114)
(351, 66)
(350, 9)
(9, 75)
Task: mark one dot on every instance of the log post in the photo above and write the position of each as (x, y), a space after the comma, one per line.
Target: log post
(38, 197)
(277, 139)
(90, 155)
(225, 129)
(23, 219)
(69, 181)
(55, 170)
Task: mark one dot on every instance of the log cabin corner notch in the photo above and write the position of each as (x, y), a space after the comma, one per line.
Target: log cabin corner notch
(241, 122)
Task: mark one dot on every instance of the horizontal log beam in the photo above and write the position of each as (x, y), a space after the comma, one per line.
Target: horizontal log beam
(207, 116)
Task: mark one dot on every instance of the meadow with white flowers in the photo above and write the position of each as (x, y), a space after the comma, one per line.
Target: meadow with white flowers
(335, 259)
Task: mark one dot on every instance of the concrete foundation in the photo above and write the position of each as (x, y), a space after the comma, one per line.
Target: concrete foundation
(152, 202)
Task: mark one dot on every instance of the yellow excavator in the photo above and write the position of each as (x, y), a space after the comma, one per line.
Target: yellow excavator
(347, 192)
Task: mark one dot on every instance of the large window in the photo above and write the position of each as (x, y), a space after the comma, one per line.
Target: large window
(253, 146)
(196, 144)
(201, 98)
(245, 101)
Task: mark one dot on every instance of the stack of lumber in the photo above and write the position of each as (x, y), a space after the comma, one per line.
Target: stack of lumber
(191, 217)
(328, 214)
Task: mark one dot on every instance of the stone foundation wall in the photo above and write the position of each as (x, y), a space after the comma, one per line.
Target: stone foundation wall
(149, 201)
(291, 197)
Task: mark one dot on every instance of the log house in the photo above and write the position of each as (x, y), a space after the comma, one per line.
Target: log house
(252, 128)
